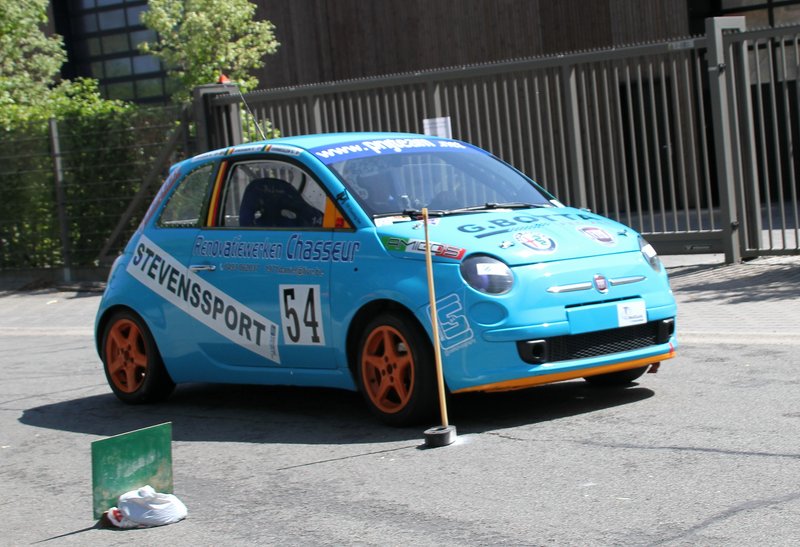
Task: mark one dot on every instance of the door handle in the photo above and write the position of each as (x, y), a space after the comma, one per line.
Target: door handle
(202, 268)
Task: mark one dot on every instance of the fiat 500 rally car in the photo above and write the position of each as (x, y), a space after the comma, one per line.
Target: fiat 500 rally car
(301, 261)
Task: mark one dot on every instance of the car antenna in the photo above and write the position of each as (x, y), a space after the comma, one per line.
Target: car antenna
(224, 80)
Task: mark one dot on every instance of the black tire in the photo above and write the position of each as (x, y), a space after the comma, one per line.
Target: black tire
(132, 362)
(621, 378)
(395, 370)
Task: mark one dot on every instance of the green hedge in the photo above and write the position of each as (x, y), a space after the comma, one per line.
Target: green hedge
(105, 159)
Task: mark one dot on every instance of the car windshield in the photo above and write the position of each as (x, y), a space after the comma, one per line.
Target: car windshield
(444, 181)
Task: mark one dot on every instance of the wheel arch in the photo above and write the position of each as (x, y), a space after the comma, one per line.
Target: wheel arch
(102, 323)
(364, 315)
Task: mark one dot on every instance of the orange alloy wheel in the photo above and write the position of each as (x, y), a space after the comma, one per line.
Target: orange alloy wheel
(126, 356)
(387, 369)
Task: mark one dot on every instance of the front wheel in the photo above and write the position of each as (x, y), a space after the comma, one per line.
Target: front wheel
(133, 366)
(621, 378)
(396, 371)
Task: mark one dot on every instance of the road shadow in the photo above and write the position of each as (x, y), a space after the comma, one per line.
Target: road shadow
(274, 414)
(755, 281)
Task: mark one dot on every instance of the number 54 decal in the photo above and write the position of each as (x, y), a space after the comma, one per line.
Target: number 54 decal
(300, 315)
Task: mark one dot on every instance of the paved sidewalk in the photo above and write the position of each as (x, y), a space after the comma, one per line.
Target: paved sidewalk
(756, 302)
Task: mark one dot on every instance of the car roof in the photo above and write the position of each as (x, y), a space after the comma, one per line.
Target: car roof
(332, 139)
(308, 142)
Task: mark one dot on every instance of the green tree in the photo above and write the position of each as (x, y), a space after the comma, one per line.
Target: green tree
(30, 62)
(199, 40)
(29, 59)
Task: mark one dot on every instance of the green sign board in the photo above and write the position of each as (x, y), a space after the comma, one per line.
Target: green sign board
(129, 461)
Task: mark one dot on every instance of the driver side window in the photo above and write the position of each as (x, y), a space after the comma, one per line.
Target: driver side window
(271, 194)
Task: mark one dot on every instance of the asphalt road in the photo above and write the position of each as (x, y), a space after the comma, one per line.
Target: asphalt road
(706, 452)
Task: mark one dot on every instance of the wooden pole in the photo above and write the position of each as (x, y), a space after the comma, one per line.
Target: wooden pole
(434, 321)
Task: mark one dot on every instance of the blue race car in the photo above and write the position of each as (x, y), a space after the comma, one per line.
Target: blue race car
(301, 261)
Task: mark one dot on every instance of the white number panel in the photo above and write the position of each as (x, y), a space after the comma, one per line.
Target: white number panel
(301, 317)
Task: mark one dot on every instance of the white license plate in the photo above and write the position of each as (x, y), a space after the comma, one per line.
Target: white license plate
(631, 312)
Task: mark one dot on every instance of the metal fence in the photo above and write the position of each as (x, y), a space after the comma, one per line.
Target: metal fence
(692, 142)
(73, 190)
(688, 141)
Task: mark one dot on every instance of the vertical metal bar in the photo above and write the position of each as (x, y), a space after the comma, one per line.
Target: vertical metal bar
(495, 122)
(598, 181)
(522, 159)
(468, 123)
(528, 149)
(762, 141)
(792, 151)
(61, 199)
(389, 125)
(749, 195)
(668, 149)
(508, 146)
(645, 182)
(701, 115)
(609, 140)
(689, 126)
(316, 115)
(591, 180)
(406, 108)
(656, 152)
(679, 108)
(487, 118)
(540, 161)
(575, 147)
(560, 115)
(453, 107)
(619, 130)
(722, 142)
(776, 143)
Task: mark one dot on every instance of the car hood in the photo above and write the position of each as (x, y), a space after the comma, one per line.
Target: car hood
(520, 236)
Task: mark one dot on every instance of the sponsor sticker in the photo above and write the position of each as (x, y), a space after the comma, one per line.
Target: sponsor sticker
(454, 328)
(284, 149)
(421, 225)
(523, 222)
(536, 241)
(212, 154)
(378, 147)
(296, 248)
(491, 269)
(401, 245)
(598, 234)
(167, 277)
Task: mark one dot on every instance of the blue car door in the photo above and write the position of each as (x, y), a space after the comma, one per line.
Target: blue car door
(268, 254)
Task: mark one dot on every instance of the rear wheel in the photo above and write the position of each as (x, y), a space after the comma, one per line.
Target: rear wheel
(131, 360)
(396, 371)
(621, 378)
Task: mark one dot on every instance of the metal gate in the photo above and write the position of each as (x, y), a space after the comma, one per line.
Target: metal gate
(689, 142)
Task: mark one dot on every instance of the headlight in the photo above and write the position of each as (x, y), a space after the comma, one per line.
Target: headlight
(486, 274)
(650, 254)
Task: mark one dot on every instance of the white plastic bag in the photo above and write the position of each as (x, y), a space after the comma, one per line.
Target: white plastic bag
(146, 507)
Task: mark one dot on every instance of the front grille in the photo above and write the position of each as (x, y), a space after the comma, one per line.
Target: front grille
(594, 344)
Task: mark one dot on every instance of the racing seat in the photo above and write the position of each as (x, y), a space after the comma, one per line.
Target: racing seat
(275, 203)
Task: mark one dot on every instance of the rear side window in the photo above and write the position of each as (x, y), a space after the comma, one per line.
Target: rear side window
(187, 203)
(271, 194)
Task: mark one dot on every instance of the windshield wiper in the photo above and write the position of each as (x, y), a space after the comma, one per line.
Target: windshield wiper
(415, 214)
(490, 206)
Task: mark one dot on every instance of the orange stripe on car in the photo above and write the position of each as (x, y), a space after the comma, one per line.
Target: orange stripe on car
(522, 383)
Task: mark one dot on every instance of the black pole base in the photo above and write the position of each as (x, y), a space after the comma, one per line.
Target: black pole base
(440, 436)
